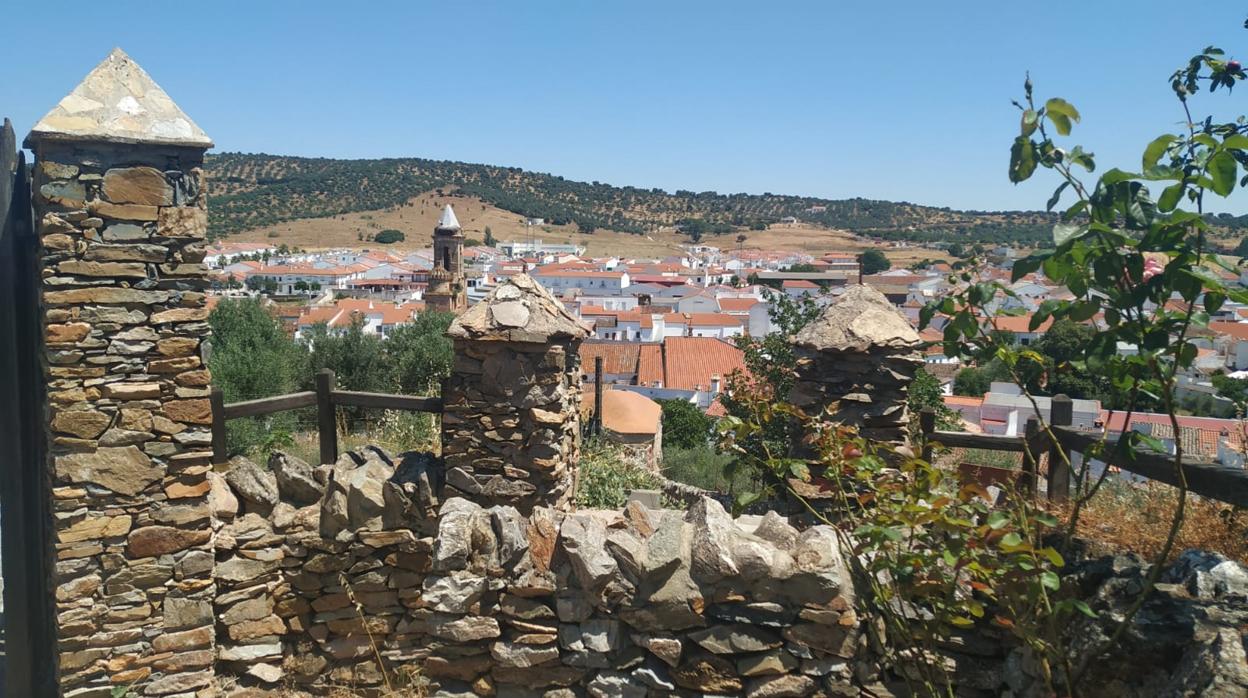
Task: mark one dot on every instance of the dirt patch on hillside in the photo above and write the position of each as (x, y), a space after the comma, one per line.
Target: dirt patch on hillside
(417, 217)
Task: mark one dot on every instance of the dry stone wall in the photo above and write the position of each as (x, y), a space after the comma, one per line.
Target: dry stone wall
(122, 230)
(488, 601)
(855, 363)
(511, 416)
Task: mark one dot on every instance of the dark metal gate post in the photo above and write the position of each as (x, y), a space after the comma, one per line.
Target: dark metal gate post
(30, 662)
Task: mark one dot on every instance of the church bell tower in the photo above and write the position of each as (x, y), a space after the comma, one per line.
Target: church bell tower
(447, 290)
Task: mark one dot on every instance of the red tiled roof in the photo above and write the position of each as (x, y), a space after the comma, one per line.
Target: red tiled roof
(730, 305)
(617, 357)
(1238, 330)
(715, 320)
(685, 363)
(650, 364)
(1019, 323)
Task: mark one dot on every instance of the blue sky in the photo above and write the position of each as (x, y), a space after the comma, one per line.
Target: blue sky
(895, 100)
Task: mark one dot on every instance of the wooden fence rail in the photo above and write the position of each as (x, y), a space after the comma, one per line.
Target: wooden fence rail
(326, 399)
(1213, 480)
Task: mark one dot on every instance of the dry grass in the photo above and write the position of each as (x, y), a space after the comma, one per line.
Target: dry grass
(417, 218)
(1126, 517)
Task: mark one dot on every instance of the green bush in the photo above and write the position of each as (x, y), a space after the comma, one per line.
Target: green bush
(389, 236)
(607, 476)
(684, 425)
(704, 467)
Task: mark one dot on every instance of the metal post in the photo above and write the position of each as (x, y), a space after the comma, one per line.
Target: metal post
(597, 395)
(1062, 414)
(327, 427)
(927, 425)
(1027, 481)
(217, 400)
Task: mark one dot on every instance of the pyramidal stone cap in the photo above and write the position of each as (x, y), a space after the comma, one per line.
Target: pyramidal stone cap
(118, 102)
(518, 310)
(859, 319)
(448, 221)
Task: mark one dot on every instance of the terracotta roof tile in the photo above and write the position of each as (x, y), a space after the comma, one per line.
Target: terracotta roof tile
(617, 357)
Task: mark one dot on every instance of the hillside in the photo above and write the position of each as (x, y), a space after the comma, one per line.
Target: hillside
(257, 191)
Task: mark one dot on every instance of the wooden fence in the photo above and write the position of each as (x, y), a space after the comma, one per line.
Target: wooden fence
(326, 399)
(1213, 480)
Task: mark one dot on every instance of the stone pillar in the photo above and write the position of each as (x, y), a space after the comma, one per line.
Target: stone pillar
(120, 208)
(855, 363)
(511, 425)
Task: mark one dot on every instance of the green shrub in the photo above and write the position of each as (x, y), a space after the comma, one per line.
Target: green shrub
(702, 466)
(607, 476)
(389, 236)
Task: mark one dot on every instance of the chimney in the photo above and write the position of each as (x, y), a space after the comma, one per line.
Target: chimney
(715, 382)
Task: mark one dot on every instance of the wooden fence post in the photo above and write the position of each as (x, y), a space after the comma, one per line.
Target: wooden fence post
(597, 426)
(927, 425)
(1027, 481)
(327, 426)
(217, 400)
(1061, 414)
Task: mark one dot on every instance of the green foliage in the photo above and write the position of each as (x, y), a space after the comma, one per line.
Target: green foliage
(358, 359)
(925, 392)
(684, 425)
(1124, 254)
(769, 363)
(1233, 389)
(606, 476)
(421, 354)
(389, 236)
(937, 555)
(252, 357)
(873, 262)
(1242, 248)
(703, 466)
(490, 241)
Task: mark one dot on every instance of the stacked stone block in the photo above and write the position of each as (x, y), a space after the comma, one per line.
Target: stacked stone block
(855, 363)
(488, 601)
(511, 421)
(122, 220)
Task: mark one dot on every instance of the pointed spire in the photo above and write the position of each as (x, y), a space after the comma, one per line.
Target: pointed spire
(118, 102)
(448, 221)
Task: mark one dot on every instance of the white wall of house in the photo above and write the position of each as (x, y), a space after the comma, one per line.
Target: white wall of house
(604, 282)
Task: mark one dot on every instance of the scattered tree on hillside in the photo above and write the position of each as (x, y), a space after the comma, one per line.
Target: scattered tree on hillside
(389, 236)
(873, 262)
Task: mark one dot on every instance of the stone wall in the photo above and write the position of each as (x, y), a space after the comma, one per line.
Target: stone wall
(122, 230)
(855, 363)
(488, 600)
(511, 421)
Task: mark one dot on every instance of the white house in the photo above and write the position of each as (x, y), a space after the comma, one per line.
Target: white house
(604, 282)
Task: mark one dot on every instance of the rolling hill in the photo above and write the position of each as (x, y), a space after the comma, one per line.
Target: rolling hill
(256, 191)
